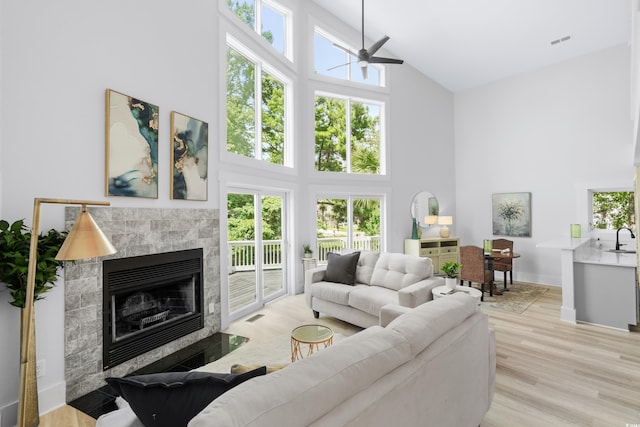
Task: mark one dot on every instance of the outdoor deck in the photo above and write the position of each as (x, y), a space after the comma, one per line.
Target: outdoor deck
(242, 286)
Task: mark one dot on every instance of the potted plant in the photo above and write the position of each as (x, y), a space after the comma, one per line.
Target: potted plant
(15, 240)
(451, 269)
(308, 252)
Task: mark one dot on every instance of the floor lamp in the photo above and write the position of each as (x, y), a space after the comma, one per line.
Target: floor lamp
(85, 240)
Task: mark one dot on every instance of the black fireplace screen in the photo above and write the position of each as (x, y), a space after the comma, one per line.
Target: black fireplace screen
(149, 301)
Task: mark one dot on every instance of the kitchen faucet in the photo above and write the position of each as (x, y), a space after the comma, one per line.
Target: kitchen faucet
(633, 236)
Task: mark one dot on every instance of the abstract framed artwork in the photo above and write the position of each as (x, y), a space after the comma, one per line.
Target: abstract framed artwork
(189, 157)
(131, 157)
(511, 214)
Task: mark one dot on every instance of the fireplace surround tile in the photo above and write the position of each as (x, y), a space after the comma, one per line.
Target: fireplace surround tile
(134, 232)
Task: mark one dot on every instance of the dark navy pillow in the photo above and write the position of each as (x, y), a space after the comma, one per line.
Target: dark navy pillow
(171, 399)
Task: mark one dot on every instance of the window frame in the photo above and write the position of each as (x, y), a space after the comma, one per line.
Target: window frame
(382, 124)
(260, 65)
(350, 196)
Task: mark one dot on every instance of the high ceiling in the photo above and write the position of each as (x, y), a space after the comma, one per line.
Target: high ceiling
(466, 43)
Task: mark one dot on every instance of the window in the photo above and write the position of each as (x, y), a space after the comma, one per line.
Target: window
(347, 136)
(267, 18)
(348, 222)
(333, 61)
(613, 209)
(256, 107)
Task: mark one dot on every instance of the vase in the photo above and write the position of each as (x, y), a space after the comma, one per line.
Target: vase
(414, 230)
(451, 282)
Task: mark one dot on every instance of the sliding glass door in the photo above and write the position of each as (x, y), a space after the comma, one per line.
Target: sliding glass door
(256, 238)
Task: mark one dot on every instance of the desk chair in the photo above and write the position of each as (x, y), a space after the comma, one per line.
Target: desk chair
(474, 268)
(504, 265)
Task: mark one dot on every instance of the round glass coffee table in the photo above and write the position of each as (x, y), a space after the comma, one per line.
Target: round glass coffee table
(313, 336)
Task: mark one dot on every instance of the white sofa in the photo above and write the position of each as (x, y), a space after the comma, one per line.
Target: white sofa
(434, 365)
(381, 279)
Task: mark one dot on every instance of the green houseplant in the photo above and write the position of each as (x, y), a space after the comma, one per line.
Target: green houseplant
(451, 269)
(308, 252)
(14, 260)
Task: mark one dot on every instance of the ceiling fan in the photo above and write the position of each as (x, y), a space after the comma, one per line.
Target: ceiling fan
(365, 56)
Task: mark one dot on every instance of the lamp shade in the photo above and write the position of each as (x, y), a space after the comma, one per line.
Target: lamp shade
(445, 220)
(85, 240)
(430, 219)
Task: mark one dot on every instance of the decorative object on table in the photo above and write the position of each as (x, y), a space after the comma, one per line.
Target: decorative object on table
(84, 240)
(307, 251)
(488, 246)
(511, 214)
(189, 157)
(576, 230)
(131, 147)
(451, 269)
(414, 230)
(444, 222)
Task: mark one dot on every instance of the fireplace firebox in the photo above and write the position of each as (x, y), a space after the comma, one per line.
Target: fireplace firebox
(149, 301)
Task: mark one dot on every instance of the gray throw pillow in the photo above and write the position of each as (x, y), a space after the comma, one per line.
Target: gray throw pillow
(342, 268)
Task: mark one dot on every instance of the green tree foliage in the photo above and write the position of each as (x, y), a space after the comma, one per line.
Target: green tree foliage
(272, 120)
(15, 241)
(612, 210)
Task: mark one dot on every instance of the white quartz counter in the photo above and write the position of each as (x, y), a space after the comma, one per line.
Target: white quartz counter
(591, 255)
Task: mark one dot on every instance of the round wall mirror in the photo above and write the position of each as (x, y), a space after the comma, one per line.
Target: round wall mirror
(424, 204)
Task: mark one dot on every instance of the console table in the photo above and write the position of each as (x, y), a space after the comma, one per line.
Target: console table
(439, 249)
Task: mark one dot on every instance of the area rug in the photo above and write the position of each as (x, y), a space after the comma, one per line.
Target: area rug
(516, 300)
(272, 352)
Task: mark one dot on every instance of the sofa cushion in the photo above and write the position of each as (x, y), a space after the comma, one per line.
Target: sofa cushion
(426, 323)
(366, 264)
(370, 299)
(334, 292)
(171, 399)
(341, 268)
(311, 387)
(396, 271)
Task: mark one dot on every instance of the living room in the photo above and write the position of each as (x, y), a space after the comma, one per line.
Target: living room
(554, 132)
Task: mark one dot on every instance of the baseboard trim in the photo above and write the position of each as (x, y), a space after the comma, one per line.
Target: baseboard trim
(49, 398)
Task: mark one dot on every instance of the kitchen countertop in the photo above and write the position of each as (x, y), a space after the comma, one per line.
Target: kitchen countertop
(591, 255)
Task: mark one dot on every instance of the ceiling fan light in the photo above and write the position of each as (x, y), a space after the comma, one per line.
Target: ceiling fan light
(363, 63)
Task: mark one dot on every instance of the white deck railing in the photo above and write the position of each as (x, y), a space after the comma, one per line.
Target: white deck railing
(242, 253)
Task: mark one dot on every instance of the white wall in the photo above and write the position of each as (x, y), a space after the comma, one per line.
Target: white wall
(553, 132)
(57, 59)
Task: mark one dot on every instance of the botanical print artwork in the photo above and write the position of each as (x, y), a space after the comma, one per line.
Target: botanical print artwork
(511, 214)
(132, 147)
(189, 157)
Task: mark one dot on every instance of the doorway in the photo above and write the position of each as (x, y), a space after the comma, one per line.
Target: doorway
(257, 250)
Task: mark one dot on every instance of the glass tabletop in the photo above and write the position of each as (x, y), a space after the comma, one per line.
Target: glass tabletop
(312, 333)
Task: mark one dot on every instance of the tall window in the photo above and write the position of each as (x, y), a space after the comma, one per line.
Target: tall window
(347, 136)
(267, 18)
(613, 209)
(348, 222)
(256, 107)
(332, 59)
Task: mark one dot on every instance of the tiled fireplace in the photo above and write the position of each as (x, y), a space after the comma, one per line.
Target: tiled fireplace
(137, 233)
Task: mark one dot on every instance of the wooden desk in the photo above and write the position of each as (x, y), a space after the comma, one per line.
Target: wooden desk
(497, 255)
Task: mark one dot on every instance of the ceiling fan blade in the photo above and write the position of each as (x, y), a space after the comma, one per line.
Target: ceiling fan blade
(341, 65)
(380, 60)
(365, 72)
(345, 49)
(377, 45)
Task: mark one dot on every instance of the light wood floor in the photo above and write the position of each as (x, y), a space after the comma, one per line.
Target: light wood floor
(549, 372)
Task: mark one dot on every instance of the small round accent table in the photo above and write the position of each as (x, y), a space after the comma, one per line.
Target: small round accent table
(442, 291)
(313, 335)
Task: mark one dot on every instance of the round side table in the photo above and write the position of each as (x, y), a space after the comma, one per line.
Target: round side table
(442, 291)
(313, 335)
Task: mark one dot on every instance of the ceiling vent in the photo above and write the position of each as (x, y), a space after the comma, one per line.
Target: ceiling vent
(560, 40)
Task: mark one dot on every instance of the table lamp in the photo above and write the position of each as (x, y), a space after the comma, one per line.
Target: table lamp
(430, 220)
(444, 221)
(85, 240)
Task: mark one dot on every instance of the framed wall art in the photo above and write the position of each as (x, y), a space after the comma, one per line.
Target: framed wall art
(511, 214)
(189, 157)
(131, 147)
